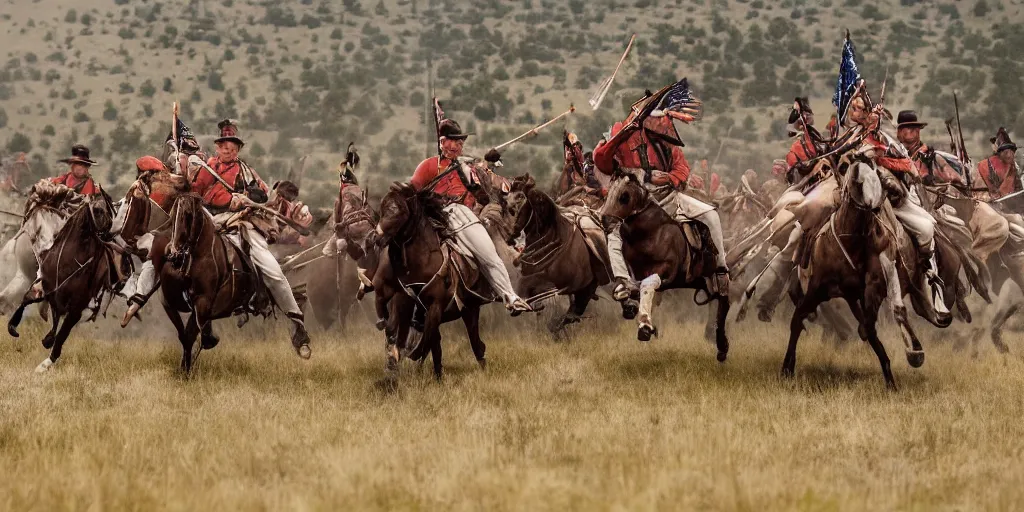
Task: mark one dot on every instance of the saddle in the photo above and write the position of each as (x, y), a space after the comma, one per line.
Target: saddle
(241, 264)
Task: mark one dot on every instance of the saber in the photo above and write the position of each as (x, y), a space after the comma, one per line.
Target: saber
(534, 130)
(302, 230)
(598, 97)
(291, 268)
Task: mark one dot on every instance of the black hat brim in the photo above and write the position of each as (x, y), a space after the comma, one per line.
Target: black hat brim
(911, 125)
(76, 160)
(1004, 147)
(236, 140)
(461, 136)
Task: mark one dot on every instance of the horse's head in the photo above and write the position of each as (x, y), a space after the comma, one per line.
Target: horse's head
(99, 219)
(861, 183)
(397, 210)
(516, 197)
(188, 219)
(134, 214)
(626, 197)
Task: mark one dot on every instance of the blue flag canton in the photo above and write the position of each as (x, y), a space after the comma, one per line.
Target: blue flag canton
(184, 132)
(680, 98)
(846, 84)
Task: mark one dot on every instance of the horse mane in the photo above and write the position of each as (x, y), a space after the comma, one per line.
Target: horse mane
(543, 206)
(52, 195)
(78, 224)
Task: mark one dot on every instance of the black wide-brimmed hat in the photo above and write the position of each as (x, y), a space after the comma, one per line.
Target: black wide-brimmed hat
(800, 106)
(1002, 141)
(908, 119)
(451, 130)
(79, 155)
(228, 133)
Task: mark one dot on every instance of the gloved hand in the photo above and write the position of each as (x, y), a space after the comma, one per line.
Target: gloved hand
(492, 156)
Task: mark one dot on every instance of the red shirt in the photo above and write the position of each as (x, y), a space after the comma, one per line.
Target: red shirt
(999, 177)
(802, 150)
(213, 192)
(451, 185)
(83, 186)
(623, 147)
(893, 163)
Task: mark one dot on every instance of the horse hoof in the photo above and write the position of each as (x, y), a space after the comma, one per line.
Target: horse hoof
(48, 341)
(304, 351)
(380, 325)
(721, 356)
(13, 331)
(645, 332)
(1002, 348)
(915, 358)
(44, 366)
(630, 310)
(209, 342)
(765, 316)
(944, 320)
(483, 364)
(862, 332)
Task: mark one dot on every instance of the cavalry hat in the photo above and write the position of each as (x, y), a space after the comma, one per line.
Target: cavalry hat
(451, 130)
(79, 155)
(149, 164)
(229, 133)
(1002, 141)
(908, 119)
(800, 105)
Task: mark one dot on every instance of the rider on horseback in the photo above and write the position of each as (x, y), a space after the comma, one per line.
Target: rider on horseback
(447, 175)
(808, 144)
(78, 178)
(285, 199)
(999, 171)
(651, 148)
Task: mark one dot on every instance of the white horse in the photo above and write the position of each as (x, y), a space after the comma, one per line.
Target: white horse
(44, 219)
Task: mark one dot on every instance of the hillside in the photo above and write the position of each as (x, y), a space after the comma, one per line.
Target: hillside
(305, 78)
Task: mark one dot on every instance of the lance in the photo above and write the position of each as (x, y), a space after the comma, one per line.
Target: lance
(295, 257)
(534, 130)
(5, 212)
(965, 160)
(598, 97)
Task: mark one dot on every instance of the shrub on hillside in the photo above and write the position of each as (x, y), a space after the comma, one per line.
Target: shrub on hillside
(19, 143)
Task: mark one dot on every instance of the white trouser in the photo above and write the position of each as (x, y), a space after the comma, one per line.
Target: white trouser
(474, 239)
(273, 277)
(145, 281)
(918, 223)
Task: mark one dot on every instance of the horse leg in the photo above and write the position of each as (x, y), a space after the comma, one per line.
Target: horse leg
(471, 318)
(432, 337)
(1007, 304)
(882, 281)
(208, 339)
(51, 336)
(796, 325)
(16, 317)
(188, 340)
(69, 323)
(871, 317)
(721, 340)
(648, 287)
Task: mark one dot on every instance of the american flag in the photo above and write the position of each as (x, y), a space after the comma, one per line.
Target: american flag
(848, 81)
(679, 98)
(184, 132)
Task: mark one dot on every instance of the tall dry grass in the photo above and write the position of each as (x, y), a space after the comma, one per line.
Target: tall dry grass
(601, 422)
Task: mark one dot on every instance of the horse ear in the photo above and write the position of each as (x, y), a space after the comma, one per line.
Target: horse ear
(530, 182)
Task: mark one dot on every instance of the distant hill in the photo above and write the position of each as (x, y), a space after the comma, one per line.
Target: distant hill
(307, 77)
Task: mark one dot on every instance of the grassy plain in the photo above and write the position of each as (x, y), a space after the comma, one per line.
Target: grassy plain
(599, 423)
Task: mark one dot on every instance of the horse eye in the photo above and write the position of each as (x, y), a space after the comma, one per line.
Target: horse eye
(624, 198)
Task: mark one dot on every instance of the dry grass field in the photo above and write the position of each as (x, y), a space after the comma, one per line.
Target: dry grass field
(601, 422)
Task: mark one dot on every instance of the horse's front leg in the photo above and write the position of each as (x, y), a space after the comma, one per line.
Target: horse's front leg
(648, 287)
(890, 287)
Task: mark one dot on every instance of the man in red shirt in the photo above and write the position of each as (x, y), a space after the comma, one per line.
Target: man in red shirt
(999, 171)
(650, 148)
(448, 175)
(225, 202)
(78, 177)
(808, 144)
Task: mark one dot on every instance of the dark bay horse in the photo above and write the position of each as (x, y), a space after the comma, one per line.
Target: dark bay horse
(662, 253)
(559, 257)
(77, 269)
(863, 257)
(418, 268)
(205, 276)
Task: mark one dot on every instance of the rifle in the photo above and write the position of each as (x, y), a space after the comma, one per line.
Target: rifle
(438, 115)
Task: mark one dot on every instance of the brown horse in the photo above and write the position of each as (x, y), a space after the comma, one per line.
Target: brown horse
(418, 269)
(560, 258)
(206, 276)
(855, 257)
(78, 269)
(662, 253)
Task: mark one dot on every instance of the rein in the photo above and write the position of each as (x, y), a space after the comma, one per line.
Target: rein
(544, 251)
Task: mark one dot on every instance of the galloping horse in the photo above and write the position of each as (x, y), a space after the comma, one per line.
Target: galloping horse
(420, 268)
(203, 275)
(48, 207)
(76, 270)
(560, 258)
(862, 255)
(662, 253)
